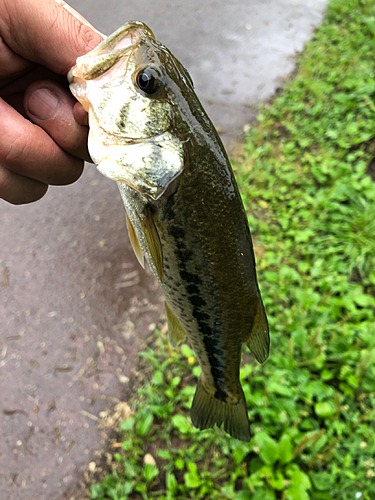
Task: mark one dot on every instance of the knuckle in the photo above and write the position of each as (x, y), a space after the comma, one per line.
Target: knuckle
(89, 36)
(84, 40)
(16, 151)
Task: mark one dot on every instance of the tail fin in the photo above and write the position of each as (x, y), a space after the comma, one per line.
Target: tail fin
(206, 411)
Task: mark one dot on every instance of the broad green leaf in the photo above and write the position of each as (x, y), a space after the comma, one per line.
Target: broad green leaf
(181, 423)
(150, 471)
(239, 453)
(299, 484)
(192, 480)
(96, 491)
(321, 480)
(268, 448)
(127, 488)
(164, 454)
(171, 482)
(325, 409)
(264, 493)
(144, 424)
(285, 449)
(277, 480)
(158, 377)
(128, 424)
(127, 445)
(179, 463)
(244, 495)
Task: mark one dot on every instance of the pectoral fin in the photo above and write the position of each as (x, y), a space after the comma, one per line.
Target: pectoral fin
(153, 243)
(134, 242)
(259, 340)
(175, 330)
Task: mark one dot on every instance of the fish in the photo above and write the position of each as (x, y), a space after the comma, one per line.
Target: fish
(149, 132)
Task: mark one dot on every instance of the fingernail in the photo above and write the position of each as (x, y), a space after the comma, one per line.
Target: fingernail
(43, 104)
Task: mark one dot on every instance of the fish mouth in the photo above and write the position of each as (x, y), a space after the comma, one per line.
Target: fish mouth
(108, 52)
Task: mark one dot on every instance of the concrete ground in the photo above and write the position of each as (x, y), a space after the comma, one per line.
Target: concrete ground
(75, 306)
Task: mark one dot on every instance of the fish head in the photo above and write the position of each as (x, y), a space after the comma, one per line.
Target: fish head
(131, 87)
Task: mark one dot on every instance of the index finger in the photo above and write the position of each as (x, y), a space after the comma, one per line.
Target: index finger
(47, 32)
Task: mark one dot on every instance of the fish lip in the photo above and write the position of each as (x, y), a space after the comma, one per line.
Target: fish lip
(112, 48)
(70, 75)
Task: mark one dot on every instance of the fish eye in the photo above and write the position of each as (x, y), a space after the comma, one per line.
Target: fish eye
(149, 80)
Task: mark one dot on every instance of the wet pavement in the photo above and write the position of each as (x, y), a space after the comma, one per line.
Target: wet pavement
(75, 306)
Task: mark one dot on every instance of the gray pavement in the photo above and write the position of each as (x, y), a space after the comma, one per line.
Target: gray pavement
(75, 306)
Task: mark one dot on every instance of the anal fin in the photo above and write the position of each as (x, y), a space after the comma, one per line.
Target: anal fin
(134, 242)
(207, 410)
(175, 330)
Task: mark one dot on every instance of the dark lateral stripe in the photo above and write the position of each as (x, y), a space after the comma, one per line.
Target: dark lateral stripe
(212, 348)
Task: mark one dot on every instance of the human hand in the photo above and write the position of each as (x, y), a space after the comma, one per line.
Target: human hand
(43, 135)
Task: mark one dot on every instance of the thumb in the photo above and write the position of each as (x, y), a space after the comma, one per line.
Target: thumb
(50, 105)
(49, 32)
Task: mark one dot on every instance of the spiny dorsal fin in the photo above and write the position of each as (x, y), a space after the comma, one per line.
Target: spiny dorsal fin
(259, 340)
(134, 242)
(175, 330)
(153, 243)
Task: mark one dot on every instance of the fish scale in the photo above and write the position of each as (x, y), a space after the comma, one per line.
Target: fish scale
(149, 132)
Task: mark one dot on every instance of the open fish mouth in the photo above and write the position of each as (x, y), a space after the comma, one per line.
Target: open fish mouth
(130, 136)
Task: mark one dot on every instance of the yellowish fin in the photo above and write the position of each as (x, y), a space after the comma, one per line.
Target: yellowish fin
(153, 243)
(207, 410)
(134, 242)
(175, 330)
(259, 340)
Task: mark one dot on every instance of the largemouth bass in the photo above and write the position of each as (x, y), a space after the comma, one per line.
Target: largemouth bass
(149, 132)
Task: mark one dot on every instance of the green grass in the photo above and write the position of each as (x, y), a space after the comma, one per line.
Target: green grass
(311, 207)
